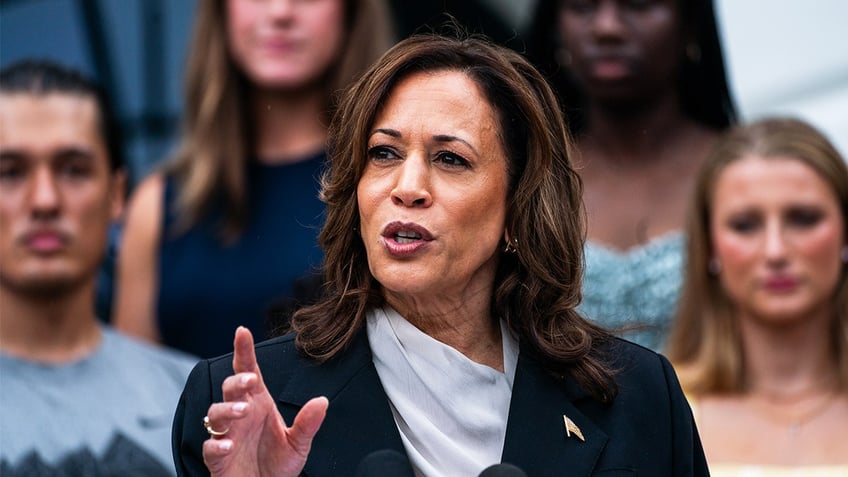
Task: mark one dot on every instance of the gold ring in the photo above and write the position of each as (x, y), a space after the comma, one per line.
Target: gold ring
(213, 432)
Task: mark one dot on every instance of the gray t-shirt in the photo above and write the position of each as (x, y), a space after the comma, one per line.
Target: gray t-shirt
(107, 414)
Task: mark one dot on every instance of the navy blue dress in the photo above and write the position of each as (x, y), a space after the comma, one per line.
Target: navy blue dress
(207, 287)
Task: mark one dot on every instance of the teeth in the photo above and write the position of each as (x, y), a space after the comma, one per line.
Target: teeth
(407, 237)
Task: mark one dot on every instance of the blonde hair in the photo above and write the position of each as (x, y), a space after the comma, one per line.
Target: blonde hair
(705, 343)
(210, 162)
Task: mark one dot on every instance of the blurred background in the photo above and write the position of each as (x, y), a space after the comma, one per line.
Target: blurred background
(783, 56)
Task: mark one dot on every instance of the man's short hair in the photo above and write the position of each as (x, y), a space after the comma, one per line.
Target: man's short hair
(43, 77)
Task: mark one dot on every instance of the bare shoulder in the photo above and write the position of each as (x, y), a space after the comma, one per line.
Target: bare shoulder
(137, 264)
(147, 197)
(145, 208)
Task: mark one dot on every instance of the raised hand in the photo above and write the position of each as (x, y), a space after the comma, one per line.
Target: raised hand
(256, 440)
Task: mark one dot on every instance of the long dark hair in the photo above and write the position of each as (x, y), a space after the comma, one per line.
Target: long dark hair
(704, 92)
(538, 287)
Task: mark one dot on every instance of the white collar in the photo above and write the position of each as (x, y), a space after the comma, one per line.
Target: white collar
(451, 411)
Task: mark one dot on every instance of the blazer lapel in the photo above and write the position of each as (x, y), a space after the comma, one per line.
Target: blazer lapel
(359, 420)
(536, 438)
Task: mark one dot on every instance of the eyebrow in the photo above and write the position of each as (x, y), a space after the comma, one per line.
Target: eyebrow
(63, 154)
(438, 137)
(73, 152)
(11, 155)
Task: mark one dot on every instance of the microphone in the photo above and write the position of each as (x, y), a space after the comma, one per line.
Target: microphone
(385, 462)
(502, 470)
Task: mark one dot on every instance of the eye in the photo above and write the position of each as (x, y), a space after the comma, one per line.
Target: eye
(639, 4)
(11, 172)
(744, 224)
(74, 163)
(804, 217)
(452, 159)
(11, 169)
(578, 6)
(382, 153)
(75, 169)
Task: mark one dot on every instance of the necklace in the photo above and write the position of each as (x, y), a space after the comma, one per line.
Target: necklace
(780, 411)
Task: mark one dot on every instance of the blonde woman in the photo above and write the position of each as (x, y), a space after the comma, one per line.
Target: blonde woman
(226, 227)
(761, 338)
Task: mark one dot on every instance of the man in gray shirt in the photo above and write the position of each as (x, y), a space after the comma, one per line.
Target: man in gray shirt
(76, 398)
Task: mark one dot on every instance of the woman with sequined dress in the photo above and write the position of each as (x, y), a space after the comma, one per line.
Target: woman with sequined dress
(644, 90)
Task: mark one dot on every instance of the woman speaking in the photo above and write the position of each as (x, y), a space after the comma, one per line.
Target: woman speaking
(448, 330)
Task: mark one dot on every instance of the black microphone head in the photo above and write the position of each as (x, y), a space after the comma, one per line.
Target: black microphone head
(383, 463)
(502, 470)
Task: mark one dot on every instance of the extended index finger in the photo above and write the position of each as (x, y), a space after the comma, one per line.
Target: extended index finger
(244, 354)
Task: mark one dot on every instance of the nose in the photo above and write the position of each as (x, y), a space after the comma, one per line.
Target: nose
(607, 21)
(412, 188)
(44, 194)
(280, 10)
(775, 246)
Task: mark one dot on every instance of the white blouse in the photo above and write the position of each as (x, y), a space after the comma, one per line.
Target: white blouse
(451, 411)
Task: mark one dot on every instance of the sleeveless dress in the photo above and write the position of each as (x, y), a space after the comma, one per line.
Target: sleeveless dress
(207, 287)
(634, 293)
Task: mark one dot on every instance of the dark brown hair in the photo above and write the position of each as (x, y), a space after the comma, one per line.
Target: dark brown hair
(537, 288)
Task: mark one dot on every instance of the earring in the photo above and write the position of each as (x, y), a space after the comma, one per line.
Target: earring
(511, 244)
(693, 52)
(714, 267)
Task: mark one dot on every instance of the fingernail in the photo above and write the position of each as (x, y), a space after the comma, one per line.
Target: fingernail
(239, 406)
(225, 444)
(245, 379)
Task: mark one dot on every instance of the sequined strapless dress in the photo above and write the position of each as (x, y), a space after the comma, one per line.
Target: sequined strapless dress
(636, 290)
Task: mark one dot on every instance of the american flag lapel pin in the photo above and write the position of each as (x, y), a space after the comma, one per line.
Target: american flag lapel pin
(571, 428)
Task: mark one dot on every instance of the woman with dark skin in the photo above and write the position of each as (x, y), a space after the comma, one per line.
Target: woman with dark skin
(644, 89)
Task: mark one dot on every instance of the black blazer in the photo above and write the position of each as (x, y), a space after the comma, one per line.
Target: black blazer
(648, 429)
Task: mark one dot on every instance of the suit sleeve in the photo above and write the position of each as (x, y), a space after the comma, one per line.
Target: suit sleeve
(688, 454)
(188, 434)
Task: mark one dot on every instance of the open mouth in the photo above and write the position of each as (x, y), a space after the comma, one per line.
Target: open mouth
(405, 239)
(407, 236)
